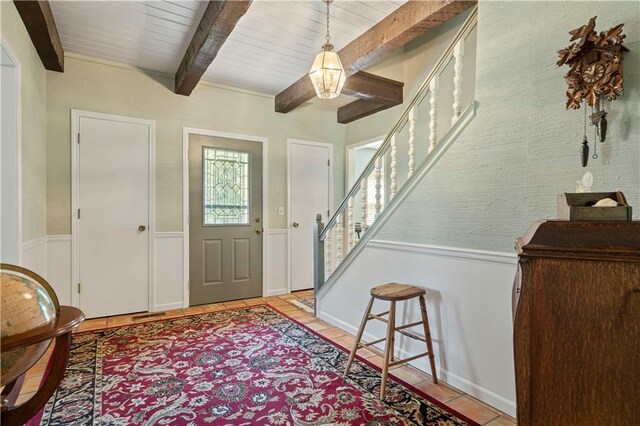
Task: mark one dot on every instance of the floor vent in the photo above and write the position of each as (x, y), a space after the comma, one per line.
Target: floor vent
(149, 315)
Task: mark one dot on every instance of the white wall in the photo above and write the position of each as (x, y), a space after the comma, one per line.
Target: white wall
(468, 305)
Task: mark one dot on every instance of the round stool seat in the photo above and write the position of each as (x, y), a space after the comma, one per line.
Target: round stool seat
(395, 292)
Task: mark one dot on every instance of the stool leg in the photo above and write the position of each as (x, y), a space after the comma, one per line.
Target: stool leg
(427, 335)
(352, 355)
(388, 349)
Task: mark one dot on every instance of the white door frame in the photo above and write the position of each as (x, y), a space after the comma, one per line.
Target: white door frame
(186, 131)
(76, 114)
(17, 67)
(349, 158)
(291, 141)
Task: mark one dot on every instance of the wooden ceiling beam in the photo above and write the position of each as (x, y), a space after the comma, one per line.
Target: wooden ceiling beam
(217, 23)
(406, 23)
(361, 109)
(38, 20)
(370, 87)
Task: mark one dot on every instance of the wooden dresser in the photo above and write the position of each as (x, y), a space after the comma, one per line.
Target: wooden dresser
(577, 324)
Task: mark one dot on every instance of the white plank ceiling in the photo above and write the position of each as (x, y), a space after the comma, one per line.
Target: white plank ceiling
(271, 47)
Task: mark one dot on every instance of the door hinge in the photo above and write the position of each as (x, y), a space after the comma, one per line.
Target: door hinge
(78, 138)
(78, 288)
(78, 213)
(328, 163)
(328, 213)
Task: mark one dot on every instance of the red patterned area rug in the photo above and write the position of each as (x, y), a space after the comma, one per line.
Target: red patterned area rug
(249, 366)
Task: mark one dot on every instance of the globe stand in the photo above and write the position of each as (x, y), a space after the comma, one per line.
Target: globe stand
(60, 329)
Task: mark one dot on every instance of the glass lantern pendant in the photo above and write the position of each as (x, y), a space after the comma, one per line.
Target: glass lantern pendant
(327, 74)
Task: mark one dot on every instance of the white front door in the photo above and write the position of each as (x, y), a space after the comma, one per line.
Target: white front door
(309, 194)
(114, 222)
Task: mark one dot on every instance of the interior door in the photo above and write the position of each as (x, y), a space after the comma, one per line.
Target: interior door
(309, 194)
(225, 219)
(10, 181)
(114, 221)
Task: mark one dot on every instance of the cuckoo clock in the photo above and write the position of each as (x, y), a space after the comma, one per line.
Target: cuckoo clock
(595, 74)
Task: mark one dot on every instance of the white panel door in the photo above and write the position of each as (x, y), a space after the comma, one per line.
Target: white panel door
(10, 167)
(113, 184)
(309, 194)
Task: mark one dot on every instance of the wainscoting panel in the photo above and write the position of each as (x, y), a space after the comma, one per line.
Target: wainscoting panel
(469, 308)
(276, 261)
(59, 266)
(168, 272)
(34, 256)
(51, 258)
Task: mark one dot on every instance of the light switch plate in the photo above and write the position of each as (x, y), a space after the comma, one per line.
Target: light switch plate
(280, 211)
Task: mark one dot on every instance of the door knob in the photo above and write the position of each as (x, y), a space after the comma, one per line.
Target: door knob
(142, 228)
(259, 230)
(296, 224)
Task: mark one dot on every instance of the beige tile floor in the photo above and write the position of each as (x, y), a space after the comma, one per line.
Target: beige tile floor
(454, 398)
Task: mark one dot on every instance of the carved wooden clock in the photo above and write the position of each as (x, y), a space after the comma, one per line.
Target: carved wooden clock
(595, 74)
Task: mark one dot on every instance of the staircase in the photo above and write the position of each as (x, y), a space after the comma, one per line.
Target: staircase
(431, 122)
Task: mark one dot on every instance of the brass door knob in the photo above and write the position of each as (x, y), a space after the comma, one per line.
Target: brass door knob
(259, 230)
(296, 224)
(142, 228)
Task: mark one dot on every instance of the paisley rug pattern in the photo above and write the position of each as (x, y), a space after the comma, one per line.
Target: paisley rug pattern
(248, 366)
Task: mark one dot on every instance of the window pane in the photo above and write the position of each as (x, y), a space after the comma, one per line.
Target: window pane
(225, 186)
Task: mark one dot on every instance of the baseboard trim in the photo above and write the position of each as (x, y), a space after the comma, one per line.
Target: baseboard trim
(456, 252)
(276, 292)
(449, 378)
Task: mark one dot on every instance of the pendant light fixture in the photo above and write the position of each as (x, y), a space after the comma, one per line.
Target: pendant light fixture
(327, 74)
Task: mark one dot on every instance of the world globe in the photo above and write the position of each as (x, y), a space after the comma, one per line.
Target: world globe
(25, 305)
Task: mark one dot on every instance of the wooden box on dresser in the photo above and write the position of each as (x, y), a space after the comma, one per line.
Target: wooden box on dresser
(577, 324)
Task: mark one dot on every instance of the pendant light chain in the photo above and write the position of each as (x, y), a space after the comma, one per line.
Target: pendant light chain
(328, 36)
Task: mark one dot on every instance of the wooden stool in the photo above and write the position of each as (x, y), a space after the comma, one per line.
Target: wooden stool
(393, 293)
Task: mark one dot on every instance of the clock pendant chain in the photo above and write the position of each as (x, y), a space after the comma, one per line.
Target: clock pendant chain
(584, 149)
(595, 136)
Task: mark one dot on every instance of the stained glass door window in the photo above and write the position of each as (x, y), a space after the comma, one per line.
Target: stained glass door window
(225, 187)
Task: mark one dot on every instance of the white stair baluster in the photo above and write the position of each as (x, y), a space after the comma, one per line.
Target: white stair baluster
(378, 171)
(394, 168)
(351, 233)
(433, 124)
(365, 199)
(328, 250)
(412, 142)
(339, 239)
(458, 53)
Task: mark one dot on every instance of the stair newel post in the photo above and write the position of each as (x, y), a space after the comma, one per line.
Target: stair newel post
(378, 175)
(393, 188)
(365, 195)
(412, 142)
(351, 231)
(318, 254)
(433, 112)
(339, 238)
(458, 54)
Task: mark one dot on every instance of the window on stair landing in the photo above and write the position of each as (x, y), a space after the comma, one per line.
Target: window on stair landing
(225, 187)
